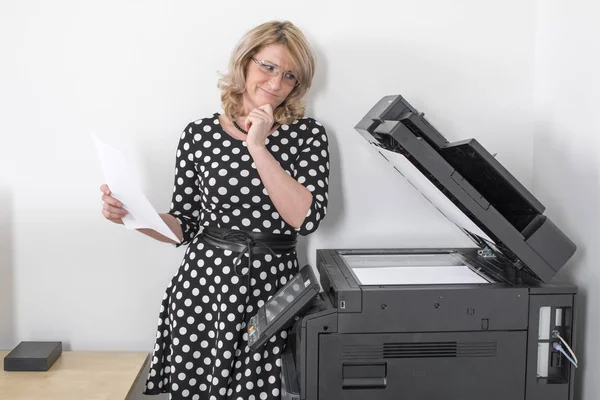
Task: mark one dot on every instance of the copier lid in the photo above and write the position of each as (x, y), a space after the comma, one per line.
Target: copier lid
(470, 187)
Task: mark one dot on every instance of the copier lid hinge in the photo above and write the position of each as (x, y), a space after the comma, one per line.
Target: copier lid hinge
(486, 252)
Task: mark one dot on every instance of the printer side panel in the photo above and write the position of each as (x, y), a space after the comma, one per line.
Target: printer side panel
(550, 376)
(423, 365)
(307, 332)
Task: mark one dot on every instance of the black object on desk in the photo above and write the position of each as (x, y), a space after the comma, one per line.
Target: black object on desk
(33, 356)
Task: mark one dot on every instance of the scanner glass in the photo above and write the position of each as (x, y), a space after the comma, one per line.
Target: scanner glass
(411, 269)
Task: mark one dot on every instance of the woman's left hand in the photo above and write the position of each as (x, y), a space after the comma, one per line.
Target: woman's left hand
(258, 124)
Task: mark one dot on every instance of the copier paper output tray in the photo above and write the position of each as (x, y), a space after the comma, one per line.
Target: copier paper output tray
(440, 324)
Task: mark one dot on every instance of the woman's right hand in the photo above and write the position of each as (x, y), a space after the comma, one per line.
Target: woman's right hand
(112, 209)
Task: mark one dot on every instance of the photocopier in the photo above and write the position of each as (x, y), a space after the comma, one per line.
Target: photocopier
(441, 323)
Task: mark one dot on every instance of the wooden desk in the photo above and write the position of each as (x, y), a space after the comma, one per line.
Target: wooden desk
(76, 376)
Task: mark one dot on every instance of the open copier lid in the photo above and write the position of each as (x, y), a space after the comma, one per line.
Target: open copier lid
(470, 187)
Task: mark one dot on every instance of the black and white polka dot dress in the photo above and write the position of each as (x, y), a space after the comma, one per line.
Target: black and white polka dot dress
(201, 347)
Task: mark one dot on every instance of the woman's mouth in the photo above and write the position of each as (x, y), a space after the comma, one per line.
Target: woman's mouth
(269, 93)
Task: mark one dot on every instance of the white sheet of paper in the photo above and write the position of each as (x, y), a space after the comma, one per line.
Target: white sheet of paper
(125, 188)
(418, 275)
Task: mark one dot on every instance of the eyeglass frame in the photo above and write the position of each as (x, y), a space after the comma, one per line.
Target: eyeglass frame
(277, 69)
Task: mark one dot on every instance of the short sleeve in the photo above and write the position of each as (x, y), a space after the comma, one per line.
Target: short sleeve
(311, 169)
(185, 201)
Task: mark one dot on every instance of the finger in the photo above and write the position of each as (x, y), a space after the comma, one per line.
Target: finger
(115, 210)
(267, 108)
(111, 200)
(119, 212)
(104, 189)
(260, 115)
(257, 116)
(266, 112)
(247, 123)
(107, 214)
(111, 216)
(263, 110)
(116, 220)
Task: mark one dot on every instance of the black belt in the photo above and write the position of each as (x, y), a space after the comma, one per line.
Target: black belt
(242, 242)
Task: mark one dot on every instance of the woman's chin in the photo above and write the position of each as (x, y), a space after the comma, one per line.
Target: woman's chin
(271, 102)
(262, 99)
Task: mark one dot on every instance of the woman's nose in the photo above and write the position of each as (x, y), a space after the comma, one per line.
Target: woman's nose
(275, 82)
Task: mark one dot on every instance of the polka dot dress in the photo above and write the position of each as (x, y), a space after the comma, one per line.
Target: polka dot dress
(201, 349)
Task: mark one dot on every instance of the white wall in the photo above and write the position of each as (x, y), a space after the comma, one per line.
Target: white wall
(7, 209)
(137, 72)
(566, 174)
(7, 298)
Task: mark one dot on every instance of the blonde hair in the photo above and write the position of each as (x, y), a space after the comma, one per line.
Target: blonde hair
(233, 83)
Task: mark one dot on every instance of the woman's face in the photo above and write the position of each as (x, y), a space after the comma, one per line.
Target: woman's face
(269, 79)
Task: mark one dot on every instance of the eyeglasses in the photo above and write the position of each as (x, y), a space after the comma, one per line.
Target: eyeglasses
(272, 70)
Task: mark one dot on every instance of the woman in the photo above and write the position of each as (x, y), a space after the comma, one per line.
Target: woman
(247, 183)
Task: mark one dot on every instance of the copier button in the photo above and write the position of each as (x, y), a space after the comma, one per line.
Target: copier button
(485, 324)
